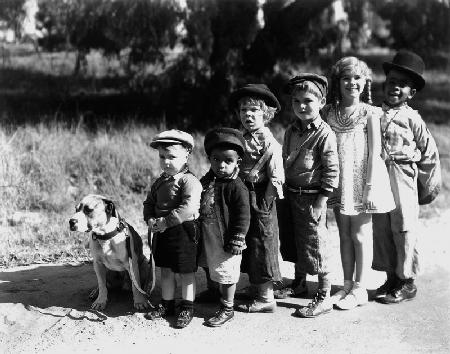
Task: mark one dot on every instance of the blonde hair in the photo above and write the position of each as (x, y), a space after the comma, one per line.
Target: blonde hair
(354, 65)
(268, 111)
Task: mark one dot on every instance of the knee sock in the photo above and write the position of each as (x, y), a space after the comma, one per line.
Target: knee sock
(227, 304)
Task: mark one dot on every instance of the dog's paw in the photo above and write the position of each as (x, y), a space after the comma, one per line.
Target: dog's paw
(93, 294)
(99, 305)
(142, 305)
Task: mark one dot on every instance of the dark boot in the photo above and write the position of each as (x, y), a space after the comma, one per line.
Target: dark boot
(164, 309)
(186, 314)
(405, 290)
(389, 285)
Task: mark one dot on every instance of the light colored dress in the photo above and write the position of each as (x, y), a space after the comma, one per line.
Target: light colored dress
(353, 153)
(224, 268)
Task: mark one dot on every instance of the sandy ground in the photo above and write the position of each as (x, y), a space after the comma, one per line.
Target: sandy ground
(45, 309)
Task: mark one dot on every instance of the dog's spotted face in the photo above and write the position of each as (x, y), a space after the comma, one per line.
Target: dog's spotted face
(91, 214)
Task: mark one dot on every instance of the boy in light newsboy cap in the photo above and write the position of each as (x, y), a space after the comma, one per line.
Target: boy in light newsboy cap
(407, 146)
(170, 211)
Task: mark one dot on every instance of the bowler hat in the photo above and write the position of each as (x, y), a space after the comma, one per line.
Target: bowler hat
(173, 136)
(318, 80)
(224, 136)
(410, 63)
(255, 90)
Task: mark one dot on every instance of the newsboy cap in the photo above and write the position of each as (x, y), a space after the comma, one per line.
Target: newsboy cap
(224, 136)
(409, 63)
(318, 80)
(173, 136)
(255, 90)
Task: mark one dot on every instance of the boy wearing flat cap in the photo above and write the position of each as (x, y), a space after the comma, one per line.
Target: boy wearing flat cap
(170, 210)
(407, 145)
(224, 215)
(262, 171)
(312, 173)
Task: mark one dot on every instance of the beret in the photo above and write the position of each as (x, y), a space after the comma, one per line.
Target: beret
(224, 136)
(255, 90)
(173, 136)
(318, 80)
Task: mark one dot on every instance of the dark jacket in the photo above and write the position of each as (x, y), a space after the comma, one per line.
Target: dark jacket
(232, 207)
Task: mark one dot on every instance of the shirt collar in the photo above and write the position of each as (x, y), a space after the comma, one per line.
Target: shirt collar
(315, 123)
(386, 108)
(177, 175)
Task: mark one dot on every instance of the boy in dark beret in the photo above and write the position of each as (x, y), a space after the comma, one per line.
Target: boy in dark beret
(224, 215)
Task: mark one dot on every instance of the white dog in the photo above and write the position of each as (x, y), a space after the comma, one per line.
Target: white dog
(116, 249)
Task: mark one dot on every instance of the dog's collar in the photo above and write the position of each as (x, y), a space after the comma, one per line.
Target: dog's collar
(110, 235)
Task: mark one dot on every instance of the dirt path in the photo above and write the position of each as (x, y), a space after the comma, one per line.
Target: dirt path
(44, 309)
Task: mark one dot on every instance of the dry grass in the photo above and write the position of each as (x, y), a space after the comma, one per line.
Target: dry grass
(46, 168)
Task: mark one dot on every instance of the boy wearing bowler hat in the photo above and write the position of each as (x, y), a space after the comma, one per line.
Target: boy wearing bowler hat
(170, 211)
(406, 144)
(224, 215)
(262, 171)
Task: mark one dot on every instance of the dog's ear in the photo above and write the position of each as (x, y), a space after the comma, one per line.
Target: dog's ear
(110, 208)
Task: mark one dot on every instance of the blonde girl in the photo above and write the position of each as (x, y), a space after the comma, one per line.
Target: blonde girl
(363, 183)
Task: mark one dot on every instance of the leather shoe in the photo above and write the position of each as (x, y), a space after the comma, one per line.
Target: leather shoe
(406, 291)
(257, 306)
(222, 316)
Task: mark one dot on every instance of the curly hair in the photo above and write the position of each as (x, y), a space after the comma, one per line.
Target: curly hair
(354, 65)
(269, 112)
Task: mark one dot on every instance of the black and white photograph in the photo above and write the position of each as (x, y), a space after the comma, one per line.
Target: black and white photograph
(224, 176)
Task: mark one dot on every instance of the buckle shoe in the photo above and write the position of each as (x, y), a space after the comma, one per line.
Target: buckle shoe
(184, 317)
(162, 310)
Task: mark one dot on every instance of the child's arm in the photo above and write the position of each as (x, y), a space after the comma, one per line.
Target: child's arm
(275, 172)
(239, 219)
(374, 149)
(330, 172)
(190, 194)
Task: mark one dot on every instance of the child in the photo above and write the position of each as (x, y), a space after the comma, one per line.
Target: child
(171, 210)
(407, 143)
(262, 172)
(312, 172)
(360, 192)
(224, 215)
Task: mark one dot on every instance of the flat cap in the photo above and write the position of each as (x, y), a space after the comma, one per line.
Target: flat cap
(173, 136)
(318, 80)
(255, 90)
(224, 136)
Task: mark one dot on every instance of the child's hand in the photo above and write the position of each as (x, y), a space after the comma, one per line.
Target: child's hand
(234, 250)
(317, 207)
(368, 198)
(270, 195)
(159, 225)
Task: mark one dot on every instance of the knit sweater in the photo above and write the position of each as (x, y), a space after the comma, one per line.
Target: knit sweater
(232, 207)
